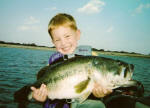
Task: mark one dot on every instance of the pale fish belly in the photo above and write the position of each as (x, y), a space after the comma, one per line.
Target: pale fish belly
(65, 89)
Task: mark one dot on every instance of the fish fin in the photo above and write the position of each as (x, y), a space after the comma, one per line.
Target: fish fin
(81, 86)
(83, 97)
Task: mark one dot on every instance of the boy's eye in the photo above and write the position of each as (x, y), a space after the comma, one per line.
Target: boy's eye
(67, 36)
(57, 40)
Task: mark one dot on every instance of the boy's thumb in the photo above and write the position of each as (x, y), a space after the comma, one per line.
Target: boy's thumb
(33, 88)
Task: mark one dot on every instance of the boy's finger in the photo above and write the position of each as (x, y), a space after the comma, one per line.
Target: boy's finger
(40, 90)
(41, 87)
(109, 91)
(105, 91)
(44, 91)
(33, 88)
(96, 92)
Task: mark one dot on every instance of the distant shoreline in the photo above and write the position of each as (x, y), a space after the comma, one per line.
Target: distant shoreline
(53, 49)
(28, 47)
(111, 53)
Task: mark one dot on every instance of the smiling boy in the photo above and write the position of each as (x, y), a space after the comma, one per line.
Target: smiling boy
(65, 35)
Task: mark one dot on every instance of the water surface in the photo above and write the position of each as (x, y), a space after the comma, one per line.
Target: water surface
(19, 67)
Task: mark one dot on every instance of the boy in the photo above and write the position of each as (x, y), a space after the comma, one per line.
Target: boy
(65, 35)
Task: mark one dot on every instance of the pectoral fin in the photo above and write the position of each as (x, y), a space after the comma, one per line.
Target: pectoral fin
(81, 86)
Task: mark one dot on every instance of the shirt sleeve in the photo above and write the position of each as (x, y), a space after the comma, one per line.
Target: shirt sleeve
(54, 57)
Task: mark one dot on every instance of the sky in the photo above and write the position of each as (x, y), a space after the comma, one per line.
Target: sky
(112, 25)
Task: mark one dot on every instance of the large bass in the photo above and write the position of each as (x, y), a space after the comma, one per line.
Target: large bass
(74, 78)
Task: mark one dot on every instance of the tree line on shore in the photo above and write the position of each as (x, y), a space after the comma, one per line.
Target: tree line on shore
(102, 50)
(24, 44)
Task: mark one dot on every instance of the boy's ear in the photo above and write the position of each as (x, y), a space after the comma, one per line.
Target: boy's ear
(78, 34)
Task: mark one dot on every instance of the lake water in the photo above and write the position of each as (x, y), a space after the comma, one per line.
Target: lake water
(19, 67)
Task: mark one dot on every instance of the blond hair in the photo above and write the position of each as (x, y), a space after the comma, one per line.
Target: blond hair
(61, 19)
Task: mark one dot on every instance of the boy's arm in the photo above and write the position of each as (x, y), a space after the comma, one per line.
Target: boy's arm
(40, 94)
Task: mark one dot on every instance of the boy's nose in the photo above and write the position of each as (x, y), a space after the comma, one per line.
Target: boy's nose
(63, 41)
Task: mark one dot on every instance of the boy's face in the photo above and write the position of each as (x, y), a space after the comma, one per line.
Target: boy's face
(65, 39)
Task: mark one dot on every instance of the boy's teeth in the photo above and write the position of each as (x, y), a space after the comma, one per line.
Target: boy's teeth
(66, 48)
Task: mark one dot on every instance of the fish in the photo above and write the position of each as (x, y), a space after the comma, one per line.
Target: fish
(75, 78)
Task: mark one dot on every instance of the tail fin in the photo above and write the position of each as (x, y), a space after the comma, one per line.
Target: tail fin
(22, 94)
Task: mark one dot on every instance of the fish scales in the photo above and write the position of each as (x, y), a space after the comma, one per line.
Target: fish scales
(59, 72)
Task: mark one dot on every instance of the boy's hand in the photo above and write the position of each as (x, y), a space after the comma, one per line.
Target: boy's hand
(40, 94)
(99, 91)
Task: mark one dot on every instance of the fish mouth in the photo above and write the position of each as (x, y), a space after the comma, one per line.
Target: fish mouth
(127, 83)
(124, 95)
(135, 88)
